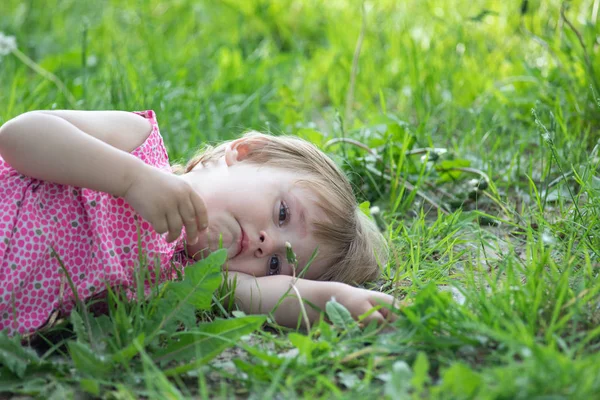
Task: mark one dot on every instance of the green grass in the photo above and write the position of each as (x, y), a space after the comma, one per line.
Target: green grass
(499, 276)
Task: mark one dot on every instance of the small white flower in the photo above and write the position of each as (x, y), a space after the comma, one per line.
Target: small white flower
(547, 238)
(92, 61)
(289, 253)
(426, 158)
(7, 44)
(292, 353)
(546, 137)
(446, 95)
(374, 210)
(407, 91)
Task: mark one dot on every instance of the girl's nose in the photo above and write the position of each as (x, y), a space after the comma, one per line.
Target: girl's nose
(265, 245)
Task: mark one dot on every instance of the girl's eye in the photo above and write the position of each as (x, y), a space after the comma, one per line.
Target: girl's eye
(284, 213)
(274, 266)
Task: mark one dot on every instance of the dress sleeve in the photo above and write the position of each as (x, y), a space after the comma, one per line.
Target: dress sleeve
(153, 151)
(6, 170)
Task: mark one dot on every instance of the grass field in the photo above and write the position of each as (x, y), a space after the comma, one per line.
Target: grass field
(476, 133)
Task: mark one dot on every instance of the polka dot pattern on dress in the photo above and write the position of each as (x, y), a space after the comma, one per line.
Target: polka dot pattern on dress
(47, 228)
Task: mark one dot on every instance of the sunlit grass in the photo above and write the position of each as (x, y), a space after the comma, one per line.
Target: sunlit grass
(495, 241)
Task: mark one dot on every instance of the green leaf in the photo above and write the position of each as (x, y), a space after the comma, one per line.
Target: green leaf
(446, 171)
(14, 356)
(307, 346)
(266, 356)
(340, 316)
(169, 313)
(100, 326)
(365, 207)
(595, 183)
(556, 194)
(90, 386)
(79, 327)
(304, 345)
(58, 391)
(130, 351)
(421, 370)
(399, 383)
(206, 341)
(349, 379)
(311, 135)
(401, 135)
(460, 380)
(35, 380)
(259, 371)
(53, 62)
(182, 299)
(87, 361)
(201, 280)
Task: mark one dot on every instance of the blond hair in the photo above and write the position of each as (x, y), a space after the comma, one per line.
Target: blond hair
(353, 240)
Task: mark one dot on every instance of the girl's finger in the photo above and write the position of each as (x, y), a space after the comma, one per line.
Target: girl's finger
(200, 210)
(388, 314)
(175, 223)
(386, 301)
(378, 297)
(375, 316)
(188, 215)
(161, 226)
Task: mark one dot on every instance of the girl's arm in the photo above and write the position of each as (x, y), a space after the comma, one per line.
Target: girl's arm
(90, 149)
(274, 294)
(84, 149)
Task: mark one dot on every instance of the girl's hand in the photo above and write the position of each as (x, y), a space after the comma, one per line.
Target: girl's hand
(272, 294)
(358, 301)
(167, 202)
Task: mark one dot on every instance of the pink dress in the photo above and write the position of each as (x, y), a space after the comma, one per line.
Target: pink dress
(94, 235)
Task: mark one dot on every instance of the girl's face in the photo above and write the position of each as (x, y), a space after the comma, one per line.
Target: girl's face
(253, 211)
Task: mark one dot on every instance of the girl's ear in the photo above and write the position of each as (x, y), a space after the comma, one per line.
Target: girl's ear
(239, 149)
(231, 155)
(235, 151)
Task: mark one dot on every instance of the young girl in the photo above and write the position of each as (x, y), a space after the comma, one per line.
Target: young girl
(85, 190)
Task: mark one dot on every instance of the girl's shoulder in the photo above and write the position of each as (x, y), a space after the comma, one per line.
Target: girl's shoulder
(149, 115)
(152, 151)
